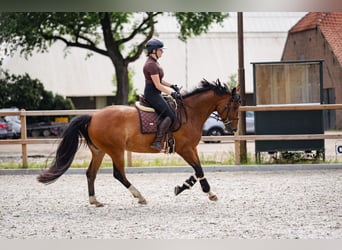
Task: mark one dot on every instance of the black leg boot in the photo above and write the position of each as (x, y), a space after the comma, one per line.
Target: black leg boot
(162, 129)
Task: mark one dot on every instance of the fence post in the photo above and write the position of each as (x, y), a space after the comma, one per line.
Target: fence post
(237, 152)
(129, 158)
(23, 137)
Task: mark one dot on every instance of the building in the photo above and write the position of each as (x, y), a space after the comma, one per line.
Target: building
(214, 55)
(318, 35)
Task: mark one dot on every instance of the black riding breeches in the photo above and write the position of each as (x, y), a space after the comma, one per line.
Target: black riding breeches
(155, 99)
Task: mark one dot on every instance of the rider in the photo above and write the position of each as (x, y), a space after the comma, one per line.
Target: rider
(154, 86)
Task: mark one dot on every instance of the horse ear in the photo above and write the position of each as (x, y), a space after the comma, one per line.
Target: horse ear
(218, 83)
(238, 88)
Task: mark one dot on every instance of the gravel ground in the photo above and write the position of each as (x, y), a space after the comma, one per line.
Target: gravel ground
(252, 205)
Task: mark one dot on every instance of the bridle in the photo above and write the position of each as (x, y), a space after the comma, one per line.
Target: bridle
(234, 101)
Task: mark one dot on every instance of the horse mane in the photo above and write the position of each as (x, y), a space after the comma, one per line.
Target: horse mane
(204, 85)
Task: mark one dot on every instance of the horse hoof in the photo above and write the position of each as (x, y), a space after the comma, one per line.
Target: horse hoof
(99, 204)
(142, 202)
(93, 201)
(177, 190)
(213, 197)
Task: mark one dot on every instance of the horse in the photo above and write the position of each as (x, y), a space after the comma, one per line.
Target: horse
(114, 129)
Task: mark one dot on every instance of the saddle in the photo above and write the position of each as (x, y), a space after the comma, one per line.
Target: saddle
(149, 119)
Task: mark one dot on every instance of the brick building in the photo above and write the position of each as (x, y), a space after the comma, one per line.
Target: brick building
(318, 35)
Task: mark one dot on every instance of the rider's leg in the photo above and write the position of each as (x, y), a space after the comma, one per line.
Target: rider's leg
(168, 117)
(162, 130)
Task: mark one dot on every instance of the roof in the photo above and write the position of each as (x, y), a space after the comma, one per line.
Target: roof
(329, 23)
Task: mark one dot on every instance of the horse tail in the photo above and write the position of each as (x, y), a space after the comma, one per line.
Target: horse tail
(67, 149)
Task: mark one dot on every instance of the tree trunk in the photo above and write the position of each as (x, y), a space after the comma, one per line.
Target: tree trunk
(120, 65)
(122, 88)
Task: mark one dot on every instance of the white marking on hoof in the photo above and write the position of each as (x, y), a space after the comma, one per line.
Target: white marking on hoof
(137, 194)
(93, 201)
(212, 196)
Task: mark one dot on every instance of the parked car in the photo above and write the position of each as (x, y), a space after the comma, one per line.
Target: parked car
(46, 129)
(250, 122)
(14, 125)
(4, 129)
(215, 127)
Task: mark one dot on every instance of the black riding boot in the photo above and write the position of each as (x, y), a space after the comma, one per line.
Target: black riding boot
(162, 129)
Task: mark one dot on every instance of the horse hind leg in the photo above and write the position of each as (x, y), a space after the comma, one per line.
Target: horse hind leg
(119, 174)
(97, 157)
(135, 192)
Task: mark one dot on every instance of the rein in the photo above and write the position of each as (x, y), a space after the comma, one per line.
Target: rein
(182, 106)
(227, 121)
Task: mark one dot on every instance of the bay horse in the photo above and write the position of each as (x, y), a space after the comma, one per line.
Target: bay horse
(116, 128)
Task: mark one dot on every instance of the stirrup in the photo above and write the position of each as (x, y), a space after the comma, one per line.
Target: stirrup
(171, 145)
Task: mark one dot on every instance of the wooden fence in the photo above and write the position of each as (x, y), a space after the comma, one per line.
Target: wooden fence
(24, 141)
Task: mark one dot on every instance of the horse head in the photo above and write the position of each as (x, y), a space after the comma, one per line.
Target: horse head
(229, 110)
(217, 97)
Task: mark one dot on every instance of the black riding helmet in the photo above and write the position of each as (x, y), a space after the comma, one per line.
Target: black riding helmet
(154, 44)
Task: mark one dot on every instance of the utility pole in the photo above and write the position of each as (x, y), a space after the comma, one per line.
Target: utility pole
(241, 80)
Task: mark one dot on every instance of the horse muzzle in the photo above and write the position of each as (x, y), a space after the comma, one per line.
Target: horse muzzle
(230, 127)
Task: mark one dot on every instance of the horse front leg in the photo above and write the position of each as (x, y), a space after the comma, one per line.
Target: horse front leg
(191, 157)
(188, 183)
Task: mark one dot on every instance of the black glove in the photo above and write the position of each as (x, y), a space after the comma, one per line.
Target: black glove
(175, 88)
(176, 95)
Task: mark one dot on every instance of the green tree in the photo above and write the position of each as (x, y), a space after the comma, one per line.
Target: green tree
(24, 92)
(4, 92)
(21, 92)
(232, 81)
(124, 34)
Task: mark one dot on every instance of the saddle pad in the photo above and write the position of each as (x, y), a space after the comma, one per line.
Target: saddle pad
(148, 122)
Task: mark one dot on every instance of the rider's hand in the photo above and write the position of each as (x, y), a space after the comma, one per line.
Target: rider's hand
(176, 95)
(175, 88)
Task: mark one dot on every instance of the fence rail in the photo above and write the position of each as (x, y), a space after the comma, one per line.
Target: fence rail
(24, 141)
